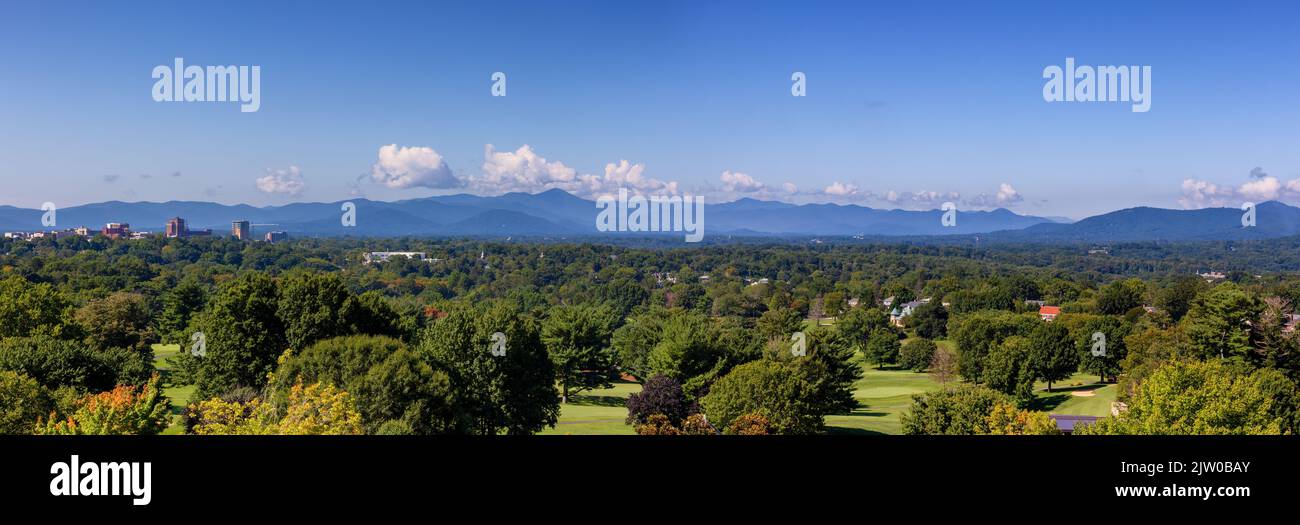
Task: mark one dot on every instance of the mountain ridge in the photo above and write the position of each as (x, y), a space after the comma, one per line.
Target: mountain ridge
(556, 212)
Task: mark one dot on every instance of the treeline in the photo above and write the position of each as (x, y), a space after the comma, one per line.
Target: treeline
(303, 337)
(1210, 359)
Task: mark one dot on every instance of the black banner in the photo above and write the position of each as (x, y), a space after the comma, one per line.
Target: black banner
(521, 475)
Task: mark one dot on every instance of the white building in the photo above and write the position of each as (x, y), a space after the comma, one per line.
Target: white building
(378, 257)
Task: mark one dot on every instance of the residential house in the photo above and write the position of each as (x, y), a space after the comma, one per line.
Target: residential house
(1048, 313)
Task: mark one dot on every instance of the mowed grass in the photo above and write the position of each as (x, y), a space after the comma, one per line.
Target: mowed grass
(884, 395)
(176, 395)
(1063, 398)
(598, 412)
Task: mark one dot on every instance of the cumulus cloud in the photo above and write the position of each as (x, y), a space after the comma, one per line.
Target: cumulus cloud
(1005, 196)
(525, 170)
(1260, 187)
(410, 167)
(790, 188)
(737, 182)
(841, 189)
(286, 181)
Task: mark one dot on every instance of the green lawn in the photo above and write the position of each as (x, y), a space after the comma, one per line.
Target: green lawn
(1063, 398)
(177, 395)
(884, 395)
(596, 412)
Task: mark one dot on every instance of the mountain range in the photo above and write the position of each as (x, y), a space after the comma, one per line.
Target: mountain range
(558, 213)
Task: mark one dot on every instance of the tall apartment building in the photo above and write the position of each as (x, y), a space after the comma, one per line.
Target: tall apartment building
(176, 227)
(242, 230)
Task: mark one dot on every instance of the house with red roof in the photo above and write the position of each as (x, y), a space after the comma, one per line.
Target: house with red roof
(1048, 313)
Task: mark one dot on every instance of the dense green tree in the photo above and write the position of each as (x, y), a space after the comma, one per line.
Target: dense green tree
(858, 324)
(881, 348)
(769, 388)
(243, 336)
(1218, 323)
(963, 410)
(622, 295)
(977, 333)
(829, 367)
(577, 338)
(179, 304)
(1010, 371)
(1200, 397)
(1120, 296)
(371, 314)
(388, 382)
(56, 363)
(310, 306)
(1177, 298)
(1052, 353)
(1273, 345)
(22, 402)
(1106, 360)
(121, 320)
(512, 393)
(930, 320)
(633, 341)
(30, 308)
(779, 323)
(916, 354)
(982, 296)
(696, 350)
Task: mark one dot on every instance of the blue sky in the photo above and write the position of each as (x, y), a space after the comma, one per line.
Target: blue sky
(935, 102)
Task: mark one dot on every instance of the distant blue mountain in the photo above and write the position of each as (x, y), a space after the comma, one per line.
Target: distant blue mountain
(1272, 220)
(557, 213)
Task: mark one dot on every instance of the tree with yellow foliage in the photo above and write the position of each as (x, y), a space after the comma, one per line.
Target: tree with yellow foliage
(316, 409)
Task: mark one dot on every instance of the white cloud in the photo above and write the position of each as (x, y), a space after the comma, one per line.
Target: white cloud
(286, 181)
(840, 189)
(737, 182)
(522, 170)
(790, 188)
(527, 171)
(1261, 187)
(1006, 196)
(409, 167)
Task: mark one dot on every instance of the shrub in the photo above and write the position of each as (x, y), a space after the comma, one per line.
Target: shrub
(659, 395)
(125, 410)
(750, 425)
(963, 410)
(22, 403)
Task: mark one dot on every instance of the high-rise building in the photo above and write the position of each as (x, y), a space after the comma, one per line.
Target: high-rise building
(277, 236)
(176, 227)
(242, 230)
